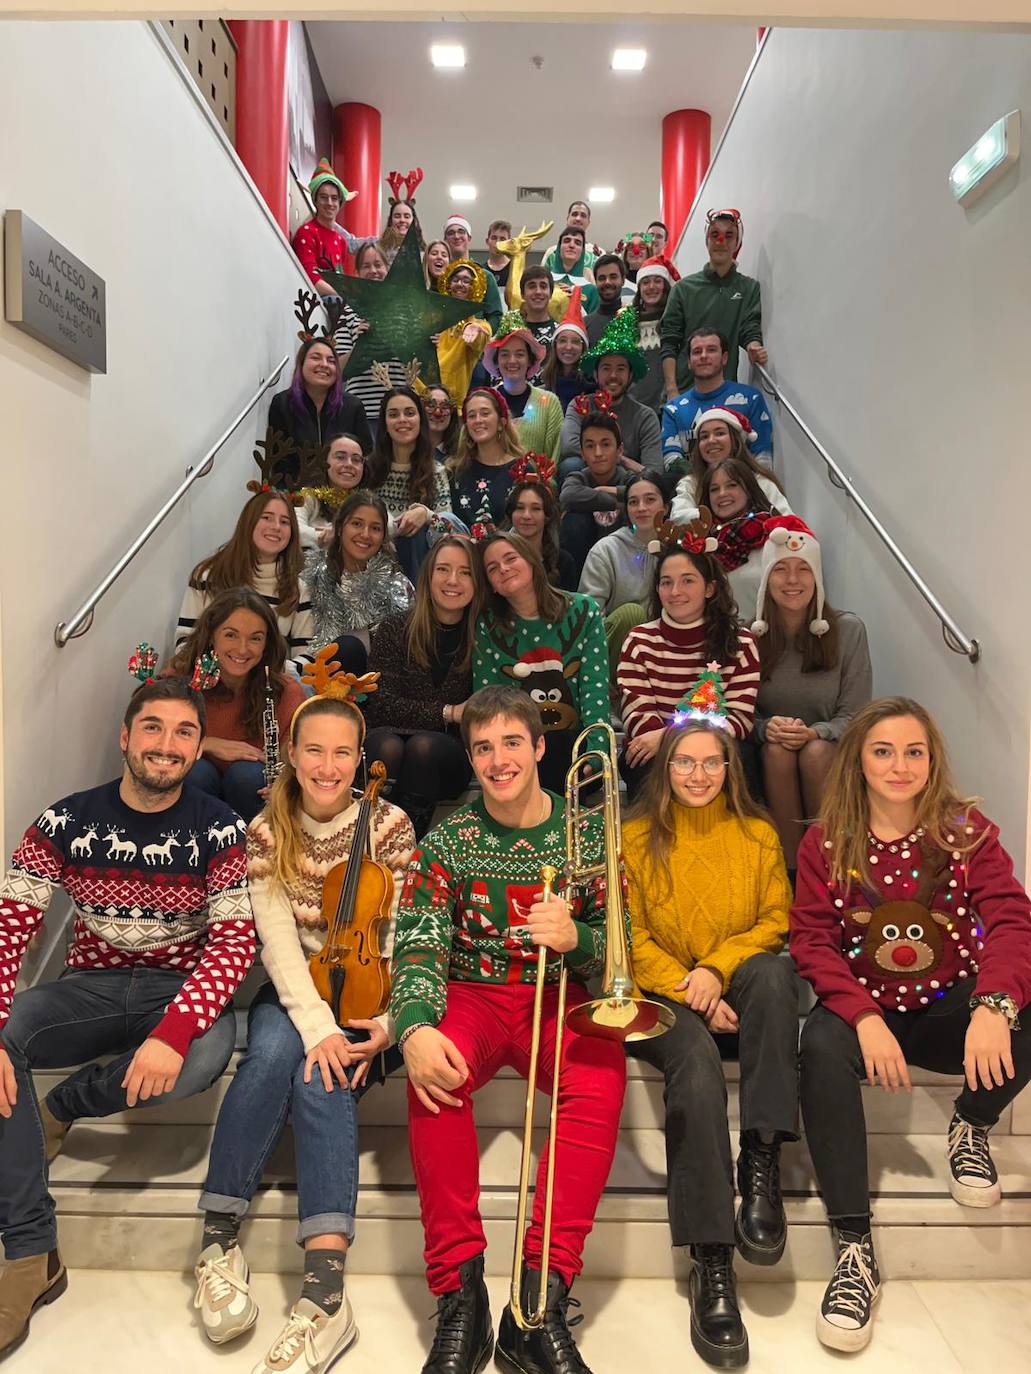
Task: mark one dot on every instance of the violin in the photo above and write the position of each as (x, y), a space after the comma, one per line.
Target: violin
(350, 972)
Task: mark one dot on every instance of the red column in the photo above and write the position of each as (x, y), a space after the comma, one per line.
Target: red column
(262, 132)
(686, 137)
(356, 161)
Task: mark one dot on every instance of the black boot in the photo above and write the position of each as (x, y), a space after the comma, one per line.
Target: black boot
(760, 1227)
(465, 1337)
(717, 1331)
(551, 1348)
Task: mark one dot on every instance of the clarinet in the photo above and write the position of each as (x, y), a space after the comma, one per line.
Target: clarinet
(270, 731)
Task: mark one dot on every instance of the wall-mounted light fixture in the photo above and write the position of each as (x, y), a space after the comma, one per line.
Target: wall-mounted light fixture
(629, 59)
(601, 195)
(990, 158)
(462, 191)
(448, 56)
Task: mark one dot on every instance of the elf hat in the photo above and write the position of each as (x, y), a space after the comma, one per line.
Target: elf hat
(324, 173)
(734, 418)
(572, 321)
(513, 326)
(654, 267)
(729, 213)
(622, 337)
(790, 537)
(460, 221)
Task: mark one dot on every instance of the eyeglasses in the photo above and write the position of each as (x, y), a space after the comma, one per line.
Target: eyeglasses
(685, 767)
(437, 405)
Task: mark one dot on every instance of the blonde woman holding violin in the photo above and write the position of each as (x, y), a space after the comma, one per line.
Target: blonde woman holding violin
(300, 1065)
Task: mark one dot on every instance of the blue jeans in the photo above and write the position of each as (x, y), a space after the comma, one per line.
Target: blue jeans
(237, 786)
(267, 1090)
(82, 1015)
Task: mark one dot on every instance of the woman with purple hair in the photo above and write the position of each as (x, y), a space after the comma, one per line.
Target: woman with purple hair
(315, 408)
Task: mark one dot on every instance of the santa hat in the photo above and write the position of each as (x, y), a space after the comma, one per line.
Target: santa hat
(733, 418)
(729, 213)
(790, 537)
(572, 321)
(460, 221)
(542, 660)
(654, 267)
(324, 173)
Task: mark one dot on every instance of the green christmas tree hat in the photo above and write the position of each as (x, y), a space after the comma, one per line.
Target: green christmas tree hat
(706, 700)
(513, 326)
(622, 337)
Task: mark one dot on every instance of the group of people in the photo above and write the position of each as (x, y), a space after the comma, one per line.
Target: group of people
(464, 587)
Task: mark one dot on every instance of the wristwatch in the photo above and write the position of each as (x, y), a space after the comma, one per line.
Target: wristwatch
(999, 1001)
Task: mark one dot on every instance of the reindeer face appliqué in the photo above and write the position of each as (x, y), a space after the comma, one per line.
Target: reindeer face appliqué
(906, 937)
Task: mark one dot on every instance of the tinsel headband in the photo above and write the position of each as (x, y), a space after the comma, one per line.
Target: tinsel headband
(694, 537)
(329, 681)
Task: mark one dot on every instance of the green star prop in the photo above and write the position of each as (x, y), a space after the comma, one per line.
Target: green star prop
(402, 314)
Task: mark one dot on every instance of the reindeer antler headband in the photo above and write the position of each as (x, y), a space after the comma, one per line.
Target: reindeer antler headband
(329, 681)
(285, 467)
(305, 306)
(542, 469)
(410, 184)
(694, 537)
(589, 401)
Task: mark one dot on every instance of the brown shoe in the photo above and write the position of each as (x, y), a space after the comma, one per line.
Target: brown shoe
(54, 1131)
(26, 1284)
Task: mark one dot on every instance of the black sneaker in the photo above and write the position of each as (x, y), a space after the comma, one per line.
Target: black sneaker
(550, 1349)
(973, 1181)
(464, 1337)
(845, 1318)
(717, 1332)
(760, 1227)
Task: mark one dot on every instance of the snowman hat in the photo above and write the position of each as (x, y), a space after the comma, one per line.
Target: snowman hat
(572, 321)
(790, 537)
(734, 418)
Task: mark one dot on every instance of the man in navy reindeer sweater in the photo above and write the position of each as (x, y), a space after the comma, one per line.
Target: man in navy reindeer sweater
(163, 936)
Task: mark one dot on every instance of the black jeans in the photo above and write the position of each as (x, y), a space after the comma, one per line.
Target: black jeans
(700, 1174)
(75, 1019)
(832, 1102)
(425, 767)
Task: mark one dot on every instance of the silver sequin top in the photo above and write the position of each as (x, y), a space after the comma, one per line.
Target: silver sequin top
(358, 602)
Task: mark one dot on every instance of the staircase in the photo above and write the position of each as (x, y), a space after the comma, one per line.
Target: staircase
(127, 1189)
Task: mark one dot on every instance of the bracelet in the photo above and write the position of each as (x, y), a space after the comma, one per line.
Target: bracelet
(410, 1031)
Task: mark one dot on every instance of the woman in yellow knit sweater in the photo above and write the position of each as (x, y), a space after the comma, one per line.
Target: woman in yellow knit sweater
(709, 900)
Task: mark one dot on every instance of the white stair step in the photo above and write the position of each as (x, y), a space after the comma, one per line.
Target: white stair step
(500, 1103)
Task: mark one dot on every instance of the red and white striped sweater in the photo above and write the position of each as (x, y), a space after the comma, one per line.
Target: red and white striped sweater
(165, 889)
(659, 661)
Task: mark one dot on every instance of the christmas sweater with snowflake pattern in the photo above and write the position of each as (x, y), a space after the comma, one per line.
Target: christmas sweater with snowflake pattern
(462, 915)
(163, 889)
(880, 948)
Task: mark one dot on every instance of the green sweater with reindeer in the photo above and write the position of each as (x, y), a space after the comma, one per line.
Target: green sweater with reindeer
(562, 665)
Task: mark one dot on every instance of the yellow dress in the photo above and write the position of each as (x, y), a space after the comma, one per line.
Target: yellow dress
(457, 359)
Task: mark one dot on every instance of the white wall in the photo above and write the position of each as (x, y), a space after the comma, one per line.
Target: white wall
(899, 324)
(107, 149)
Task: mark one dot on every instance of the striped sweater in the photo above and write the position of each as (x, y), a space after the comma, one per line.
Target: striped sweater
(290, 924)
(297, 629)
(660, 661)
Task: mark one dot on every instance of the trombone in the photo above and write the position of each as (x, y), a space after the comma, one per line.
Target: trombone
(619, 1013)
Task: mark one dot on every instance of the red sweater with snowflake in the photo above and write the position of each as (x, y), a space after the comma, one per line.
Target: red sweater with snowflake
(874, 948)
(163, 889)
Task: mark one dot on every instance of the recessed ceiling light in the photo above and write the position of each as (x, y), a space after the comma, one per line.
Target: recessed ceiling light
(600, 195)
(462, 191)
(629, 59)
(449, 55)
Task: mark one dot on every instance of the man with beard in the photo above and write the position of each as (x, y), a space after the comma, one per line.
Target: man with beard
(707, 352)
(163, 936)
(609, 276)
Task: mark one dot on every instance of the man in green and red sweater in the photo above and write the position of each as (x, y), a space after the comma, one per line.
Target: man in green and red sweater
(163, 935)
(471, 923)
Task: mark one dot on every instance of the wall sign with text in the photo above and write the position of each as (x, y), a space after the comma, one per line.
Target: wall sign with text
(52, 295)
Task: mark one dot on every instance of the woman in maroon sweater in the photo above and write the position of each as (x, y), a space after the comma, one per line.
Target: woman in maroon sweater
(916, 936)
(424, 657)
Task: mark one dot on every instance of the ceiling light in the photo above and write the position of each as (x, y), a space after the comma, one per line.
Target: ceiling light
(990, 158)
(448, 55)
(629, 59)
(601, 195)
(462, 191)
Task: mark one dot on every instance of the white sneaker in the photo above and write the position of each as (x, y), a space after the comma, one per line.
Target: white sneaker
(310, 1341)
(973, 1180)
(223, 1293)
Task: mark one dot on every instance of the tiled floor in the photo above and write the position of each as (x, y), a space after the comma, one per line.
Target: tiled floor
(123, 1323)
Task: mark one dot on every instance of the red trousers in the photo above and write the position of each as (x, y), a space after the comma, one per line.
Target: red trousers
(490, 1024)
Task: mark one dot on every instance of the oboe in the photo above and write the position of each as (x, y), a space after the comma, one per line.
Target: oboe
(270, 731)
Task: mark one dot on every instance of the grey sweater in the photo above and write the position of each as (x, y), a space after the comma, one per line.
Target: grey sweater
(580, 492)
(826, 701)
(618, 570)
(638, 424)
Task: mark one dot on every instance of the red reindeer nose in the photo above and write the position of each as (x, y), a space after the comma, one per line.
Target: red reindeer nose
(904, 956)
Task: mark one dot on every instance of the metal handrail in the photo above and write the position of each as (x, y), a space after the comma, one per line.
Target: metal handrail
(953, 635)
(78, 624)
